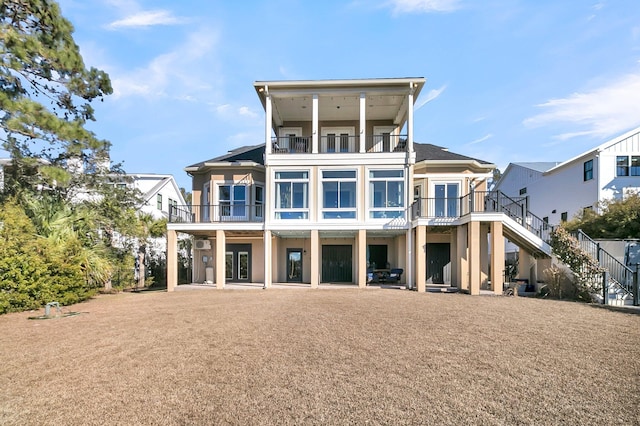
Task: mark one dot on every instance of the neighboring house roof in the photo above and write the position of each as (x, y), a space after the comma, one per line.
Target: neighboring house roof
(163, 180)
(538, 166)
(429, 152)
(606, 145)
(252, 154)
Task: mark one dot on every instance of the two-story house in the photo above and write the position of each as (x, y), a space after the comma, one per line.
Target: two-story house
(558, 191)
(339, 189)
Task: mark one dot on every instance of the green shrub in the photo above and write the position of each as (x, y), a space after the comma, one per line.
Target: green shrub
(33, 270)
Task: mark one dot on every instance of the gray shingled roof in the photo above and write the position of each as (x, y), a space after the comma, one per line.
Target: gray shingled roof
(429, 152)
(253, 153)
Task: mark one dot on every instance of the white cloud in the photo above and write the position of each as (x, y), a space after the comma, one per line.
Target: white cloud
(601, 112)
(423, 6)
(228, 111)
(482, 139)
(147, 18)
(431, 95)
(246, 111)
(183, 73)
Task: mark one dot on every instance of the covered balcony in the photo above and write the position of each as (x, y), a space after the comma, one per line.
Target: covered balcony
(339, 144)
(339, 116)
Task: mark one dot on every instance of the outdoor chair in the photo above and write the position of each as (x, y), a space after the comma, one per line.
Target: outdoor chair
(395, 274)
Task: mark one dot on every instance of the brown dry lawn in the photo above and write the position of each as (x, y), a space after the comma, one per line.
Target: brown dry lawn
(328, 356)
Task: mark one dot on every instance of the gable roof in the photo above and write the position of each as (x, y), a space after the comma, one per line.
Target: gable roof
(538, 166)
(429, 152)
(245, 154)
(163, 180)
(606, 145)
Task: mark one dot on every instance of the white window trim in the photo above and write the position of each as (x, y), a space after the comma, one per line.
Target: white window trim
(351, 131)
(275, 209)
(232, 184)
(368, 195)
(321, 207)
(254, 198)
(379, 130)
(432, 191)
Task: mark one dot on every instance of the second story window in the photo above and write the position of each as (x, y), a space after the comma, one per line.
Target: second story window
(259, 202)
(232, 201)
(523, 191)
(292, 195)
(587, 170)
(628, 165)
(386, 194)
(446, 200)
(339, 194)
(564, 216)
(159, 201)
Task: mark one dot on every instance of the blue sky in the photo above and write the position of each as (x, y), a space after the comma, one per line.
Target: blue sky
(507, 80)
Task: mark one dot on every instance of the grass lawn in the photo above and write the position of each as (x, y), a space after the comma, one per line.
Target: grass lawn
(327, 356)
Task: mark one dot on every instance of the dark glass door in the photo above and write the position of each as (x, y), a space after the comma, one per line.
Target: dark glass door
(438, 256)
(294, 265)
(336, 264)
(238, 263)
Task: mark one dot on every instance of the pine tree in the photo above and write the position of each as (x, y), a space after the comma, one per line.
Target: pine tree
(45, 99)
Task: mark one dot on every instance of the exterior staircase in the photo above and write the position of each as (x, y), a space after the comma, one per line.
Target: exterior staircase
(621, 281)
(534, 234)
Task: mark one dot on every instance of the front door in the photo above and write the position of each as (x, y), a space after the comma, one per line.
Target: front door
(336, 264)
(378, 256)
(238, 263)
(294, 265)
(438, 256)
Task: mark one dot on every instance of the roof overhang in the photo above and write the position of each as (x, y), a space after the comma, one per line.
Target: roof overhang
(386, 98)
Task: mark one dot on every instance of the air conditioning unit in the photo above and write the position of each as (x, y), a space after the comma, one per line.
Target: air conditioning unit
(203, 245)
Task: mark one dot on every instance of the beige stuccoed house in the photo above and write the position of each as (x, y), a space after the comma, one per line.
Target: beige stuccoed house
(339, 192)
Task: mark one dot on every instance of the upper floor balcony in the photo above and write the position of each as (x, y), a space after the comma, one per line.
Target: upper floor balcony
(446, 210)
(239, 212)
(339, 116)
(341, 143)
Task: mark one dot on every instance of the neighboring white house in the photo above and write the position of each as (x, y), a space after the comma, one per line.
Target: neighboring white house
(556, 192)
(159, 193)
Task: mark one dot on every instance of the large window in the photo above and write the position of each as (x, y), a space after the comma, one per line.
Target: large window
(446, 199)
(628, 165)
(232, 201)
(386, 194)
(588, 170)
(292, 195)
(339, 194)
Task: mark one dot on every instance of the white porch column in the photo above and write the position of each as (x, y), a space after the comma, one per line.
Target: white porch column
(172, 259)
(314, 123)
(268, 124)
(221, 253)
(268, 265)
(363, 122)
(410, 119)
